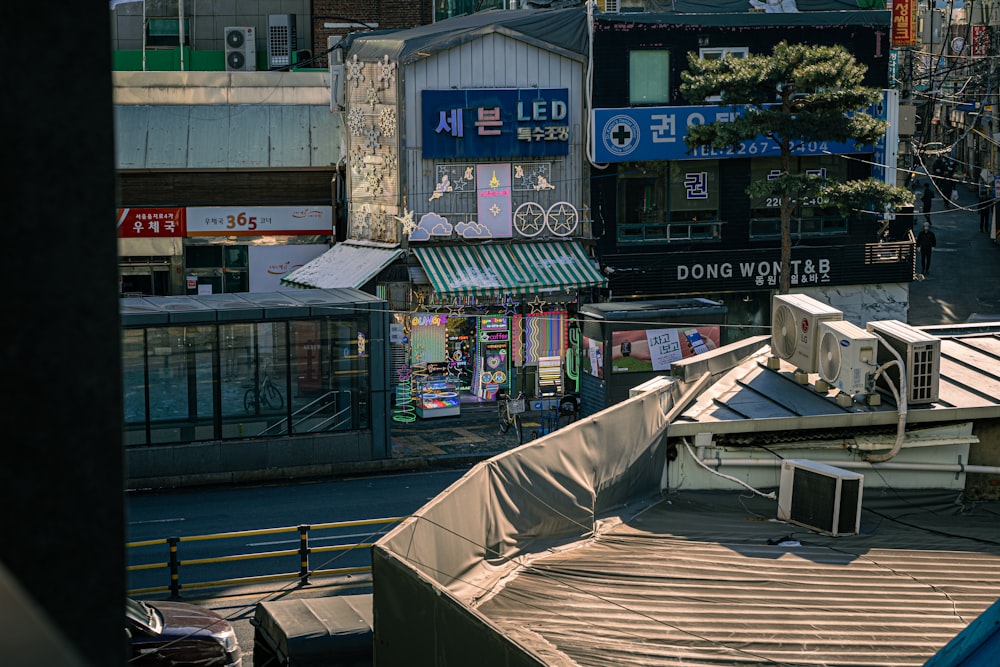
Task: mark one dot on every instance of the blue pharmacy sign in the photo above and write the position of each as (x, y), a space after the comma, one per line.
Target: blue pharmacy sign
(495, 123)
(631, 134)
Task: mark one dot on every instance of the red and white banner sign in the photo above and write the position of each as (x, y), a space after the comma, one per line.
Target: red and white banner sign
(980, 40)
(259, 220)
(149, 223)
(904, 23)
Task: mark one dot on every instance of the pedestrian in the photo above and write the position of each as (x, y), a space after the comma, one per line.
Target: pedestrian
(926, 242)
(985, 211)
(927, 198)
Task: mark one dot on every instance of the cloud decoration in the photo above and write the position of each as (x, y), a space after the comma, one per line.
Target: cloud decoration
(473, 230)
(434, 224)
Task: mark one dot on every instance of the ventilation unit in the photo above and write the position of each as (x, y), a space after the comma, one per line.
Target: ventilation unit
(241, 49)
(282, 40)
(795, 322)
(847, 355)
(820, 497)
(921, 354)
(609, 6)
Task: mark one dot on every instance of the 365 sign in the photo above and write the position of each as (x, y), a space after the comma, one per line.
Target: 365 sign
(259, 220)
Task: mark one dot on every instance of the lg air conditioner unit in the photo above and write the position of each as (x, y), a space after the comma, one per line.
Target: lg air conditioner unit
(282, 40)
(241, 49)
(795, 322)
(847, 356)
(820, 497)
(921, 355)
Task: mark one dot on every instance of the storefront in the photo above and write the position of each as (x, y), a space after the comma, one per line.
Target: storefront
(504, 311)
(249, 249)
(150, 251)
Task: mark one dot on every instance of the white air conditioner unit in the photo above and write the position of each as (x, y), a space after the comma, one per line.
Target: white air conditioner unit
(820, 497)
(921, 354)
(795, 322)
(282, 40)
(335, 57)
(847, 356)
(609, 6)
(241, 49)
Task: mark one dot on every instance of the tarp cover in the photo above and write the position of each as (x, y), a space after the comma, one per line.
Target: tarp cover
(317, 631)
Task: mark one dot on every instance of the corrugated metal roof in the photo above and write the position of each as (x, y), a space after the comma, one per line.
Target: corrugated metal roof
(751, 398)
(227, 136)
(343, 265)
(706, 579)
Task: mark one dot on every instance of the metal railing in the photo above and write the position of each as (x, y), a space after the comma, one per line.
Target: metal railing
(316, 407)
(175, 564)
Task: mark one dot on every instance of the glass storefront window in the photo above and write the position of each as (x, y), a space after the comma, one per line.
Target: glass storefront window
(245, 380)
(811, 218)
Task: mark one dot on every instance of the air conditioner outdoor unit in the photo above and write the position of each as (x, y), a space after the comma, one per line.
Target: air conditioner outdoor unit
(847, 356)
(820, 497)
(241, 49)
(795, 322)
(282, 40)
(609, 6)
(921, 354)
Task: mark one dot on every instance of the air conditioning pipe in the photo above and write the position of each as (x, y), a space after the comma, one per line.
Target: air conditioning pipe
(924, 467)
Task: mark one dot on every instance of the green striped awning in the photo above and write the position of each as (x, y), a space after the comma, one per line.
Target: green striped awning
(493, 269)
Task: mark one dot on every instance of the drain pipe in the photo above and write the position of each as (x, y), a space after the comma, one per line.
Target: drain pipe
(718, 462)
(901, 403)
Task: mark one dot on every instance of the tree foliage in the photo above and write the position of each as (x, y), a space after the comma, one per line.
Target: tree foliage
(799, 93)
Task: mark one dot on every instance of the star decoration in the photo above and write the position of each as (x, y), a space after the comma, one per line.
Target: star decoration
(537, 305)
(406, 220)
(509, 305)
(529, 219)
(456, 308)
(562, 218)
(495, 210)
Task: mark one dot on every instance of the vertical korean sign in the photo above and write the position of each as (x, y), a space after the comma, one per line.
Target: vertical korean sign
(904, 23)
(494, 199)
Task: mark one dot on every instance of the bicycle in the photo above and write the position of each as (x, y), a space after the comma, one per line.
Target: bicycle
(509, 411)
(267, 395)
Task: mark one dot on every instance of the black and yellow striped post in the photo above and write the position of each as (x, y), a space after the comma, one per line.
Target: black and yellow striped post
(304, 554)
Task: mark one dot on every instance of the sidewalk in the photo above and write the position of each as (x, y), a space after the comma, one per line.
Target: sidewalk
(964, 280)
(964, 283)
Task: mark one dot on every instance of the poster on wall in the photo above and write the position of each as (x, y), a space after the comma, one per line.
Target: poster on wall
(593, 357)
(268, 263)
(646, 350)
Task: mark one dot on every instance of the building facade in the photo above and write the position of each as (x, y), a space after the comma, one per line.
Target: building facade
(671, 222)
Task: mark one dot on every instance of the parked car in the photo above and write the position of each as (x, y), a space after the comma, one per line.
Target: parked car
(177, 634)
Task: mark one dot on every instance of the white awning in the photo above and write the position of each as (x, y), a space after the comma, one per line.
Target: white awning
(343, 265)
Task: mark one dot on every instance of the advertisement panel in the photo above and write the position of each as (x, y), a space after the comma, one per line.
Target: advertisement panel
(268, 263)
(146, 223)
(629, 134)
(492, 123)
(655, 349)
(259, 220)
(904, 23)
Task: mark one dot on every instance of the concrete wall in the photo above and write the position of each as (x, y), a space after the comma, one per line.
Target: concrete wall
(241, 461)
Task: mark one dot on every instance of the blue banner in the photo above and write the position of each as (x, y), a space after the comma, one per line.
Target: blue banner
(631, 134)
(495, 123)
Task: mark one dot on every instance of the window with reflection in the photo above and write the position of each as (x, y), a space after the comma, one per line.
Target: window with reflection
(679, 202)
(811, 218)
(648, 77)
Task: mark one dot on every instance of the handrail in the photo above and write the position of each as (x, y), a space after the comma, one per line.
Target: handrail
(175, 563)
(321, 403)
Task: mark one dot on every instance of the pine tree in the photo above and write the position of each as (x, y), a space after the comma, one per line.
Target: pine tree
(798, 93)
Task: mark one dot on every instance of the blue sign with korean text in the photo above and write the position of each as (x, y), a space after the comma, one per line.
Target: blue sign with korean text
(657, 133)
(491, 123)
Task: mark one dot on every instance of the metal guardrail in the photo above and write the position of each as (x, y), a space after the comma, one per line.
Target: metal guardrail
(174, 564)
